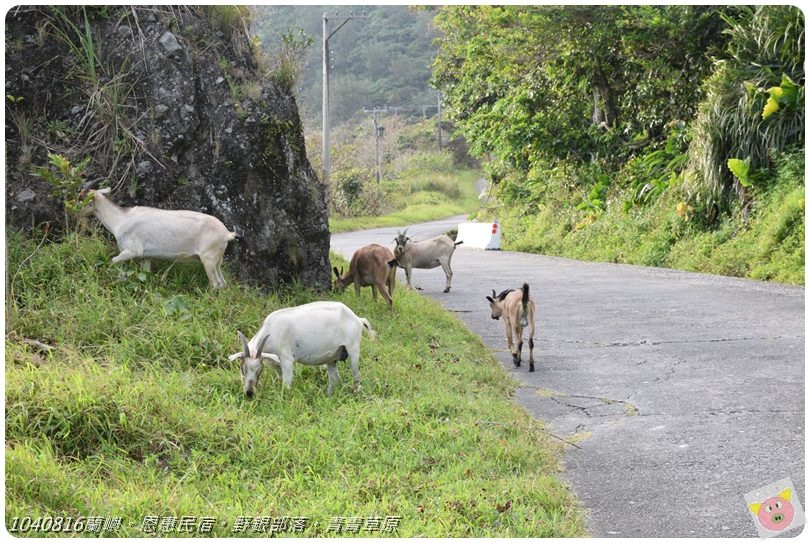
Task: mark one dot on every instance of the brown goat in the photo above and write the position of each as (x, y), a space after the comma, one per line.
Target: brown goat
(374, 266)
(517, 310)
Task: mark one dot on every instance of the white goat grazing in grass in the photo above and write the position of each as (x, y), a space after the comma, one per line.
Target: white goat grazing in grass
(313, 334)
(517, 310)
(148, 232)
(426, 254)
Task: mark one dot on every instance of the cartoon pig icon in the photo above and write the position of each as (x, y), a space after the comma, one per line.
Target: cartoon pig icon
(775, 513)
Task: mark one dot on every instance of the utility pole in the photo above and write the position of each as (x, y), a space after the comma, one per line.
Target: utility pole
(440, 119)
(325, 103)
(327, 166)
(379, 130)
(378, 133)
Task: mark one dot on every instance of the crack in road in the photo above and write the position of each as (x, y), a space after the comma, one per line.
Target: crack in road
(630, 409)
(673, 366)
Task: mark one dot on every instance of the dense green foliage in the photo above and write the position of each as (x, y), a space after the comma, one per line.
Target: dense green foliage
(769, 245)
(381, 60)
(629, 133)
(541, 85)
(120, 402)
(753, 105)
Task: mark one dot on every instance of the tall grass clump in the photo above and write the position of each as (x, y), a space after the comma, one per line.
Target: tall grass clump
(105, 88)
(286, 58)
(763, 66)
(120, 402)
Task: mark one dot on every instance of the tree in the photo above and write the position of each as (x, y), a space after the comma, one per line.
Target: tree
(574, 84)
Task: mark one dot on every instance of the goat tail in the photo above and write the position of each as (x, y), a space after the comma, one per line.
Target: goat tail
(524, 315)
(232, 236)
(367, 327)
(459, 242)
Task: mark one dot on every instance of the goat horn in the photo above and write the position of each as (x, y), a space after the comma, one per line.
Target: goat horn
(91, 184)
(493, 293)
(244, 343)
(261, 346)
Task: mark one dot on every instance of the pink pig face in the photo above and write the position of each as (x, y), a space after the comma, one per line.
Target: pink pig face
(776, 513)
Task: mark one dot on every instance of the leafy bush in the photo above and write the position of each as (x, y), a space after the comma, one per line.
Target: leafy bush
(767, 243)
(652, 172)
(66, 180)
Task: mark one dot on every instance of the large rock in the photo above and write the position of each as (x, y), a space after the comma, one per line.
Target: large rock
(201, 128)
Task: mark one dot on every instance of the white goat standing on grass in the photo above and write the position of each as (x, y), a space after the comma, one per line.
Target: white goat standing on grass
(517, 309)
(148, 232)
(313, 334)
(426, 254)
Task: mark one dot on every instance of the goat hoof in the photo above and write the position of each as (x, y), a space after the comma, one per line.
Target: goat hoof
(446, 290)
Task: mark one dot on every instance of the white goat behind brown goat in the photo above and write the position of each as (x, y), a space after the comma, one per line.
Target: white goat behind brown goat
(374, 266)
(425, 255)
(517, 309)
(148, 232)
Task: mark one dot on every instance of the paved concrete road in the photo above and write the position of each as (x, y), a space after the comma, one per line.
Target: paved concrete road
(684, 391)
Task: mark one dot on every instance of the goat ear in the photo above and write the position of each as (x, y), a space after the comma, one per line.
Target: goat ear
(490, 300)
(337, 273)
(236, 356)
(105, 190)
(269, 356)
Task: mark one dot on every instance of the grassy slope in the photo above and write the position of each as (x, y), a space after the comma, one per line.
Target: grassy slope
(136, 411)
(421, 205)
(769, 247)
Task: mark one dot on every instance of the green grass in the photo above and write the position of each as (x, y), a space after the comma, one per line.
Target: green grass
(425, 198)
(135, 411)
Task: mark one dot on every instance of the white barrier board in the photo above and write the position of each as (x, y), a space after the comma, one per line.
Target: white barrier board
(480, 235)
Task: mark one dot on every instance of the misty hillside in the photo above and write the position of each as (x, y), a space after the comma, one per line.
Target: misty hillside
(382, 60)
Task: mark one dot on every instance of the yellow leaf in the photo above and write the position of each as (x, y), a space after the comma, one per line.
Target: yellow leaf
(771, 107)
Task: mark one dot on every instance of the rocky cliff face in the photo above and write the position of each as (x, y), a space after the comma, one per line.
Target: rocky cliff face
(173, 108)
